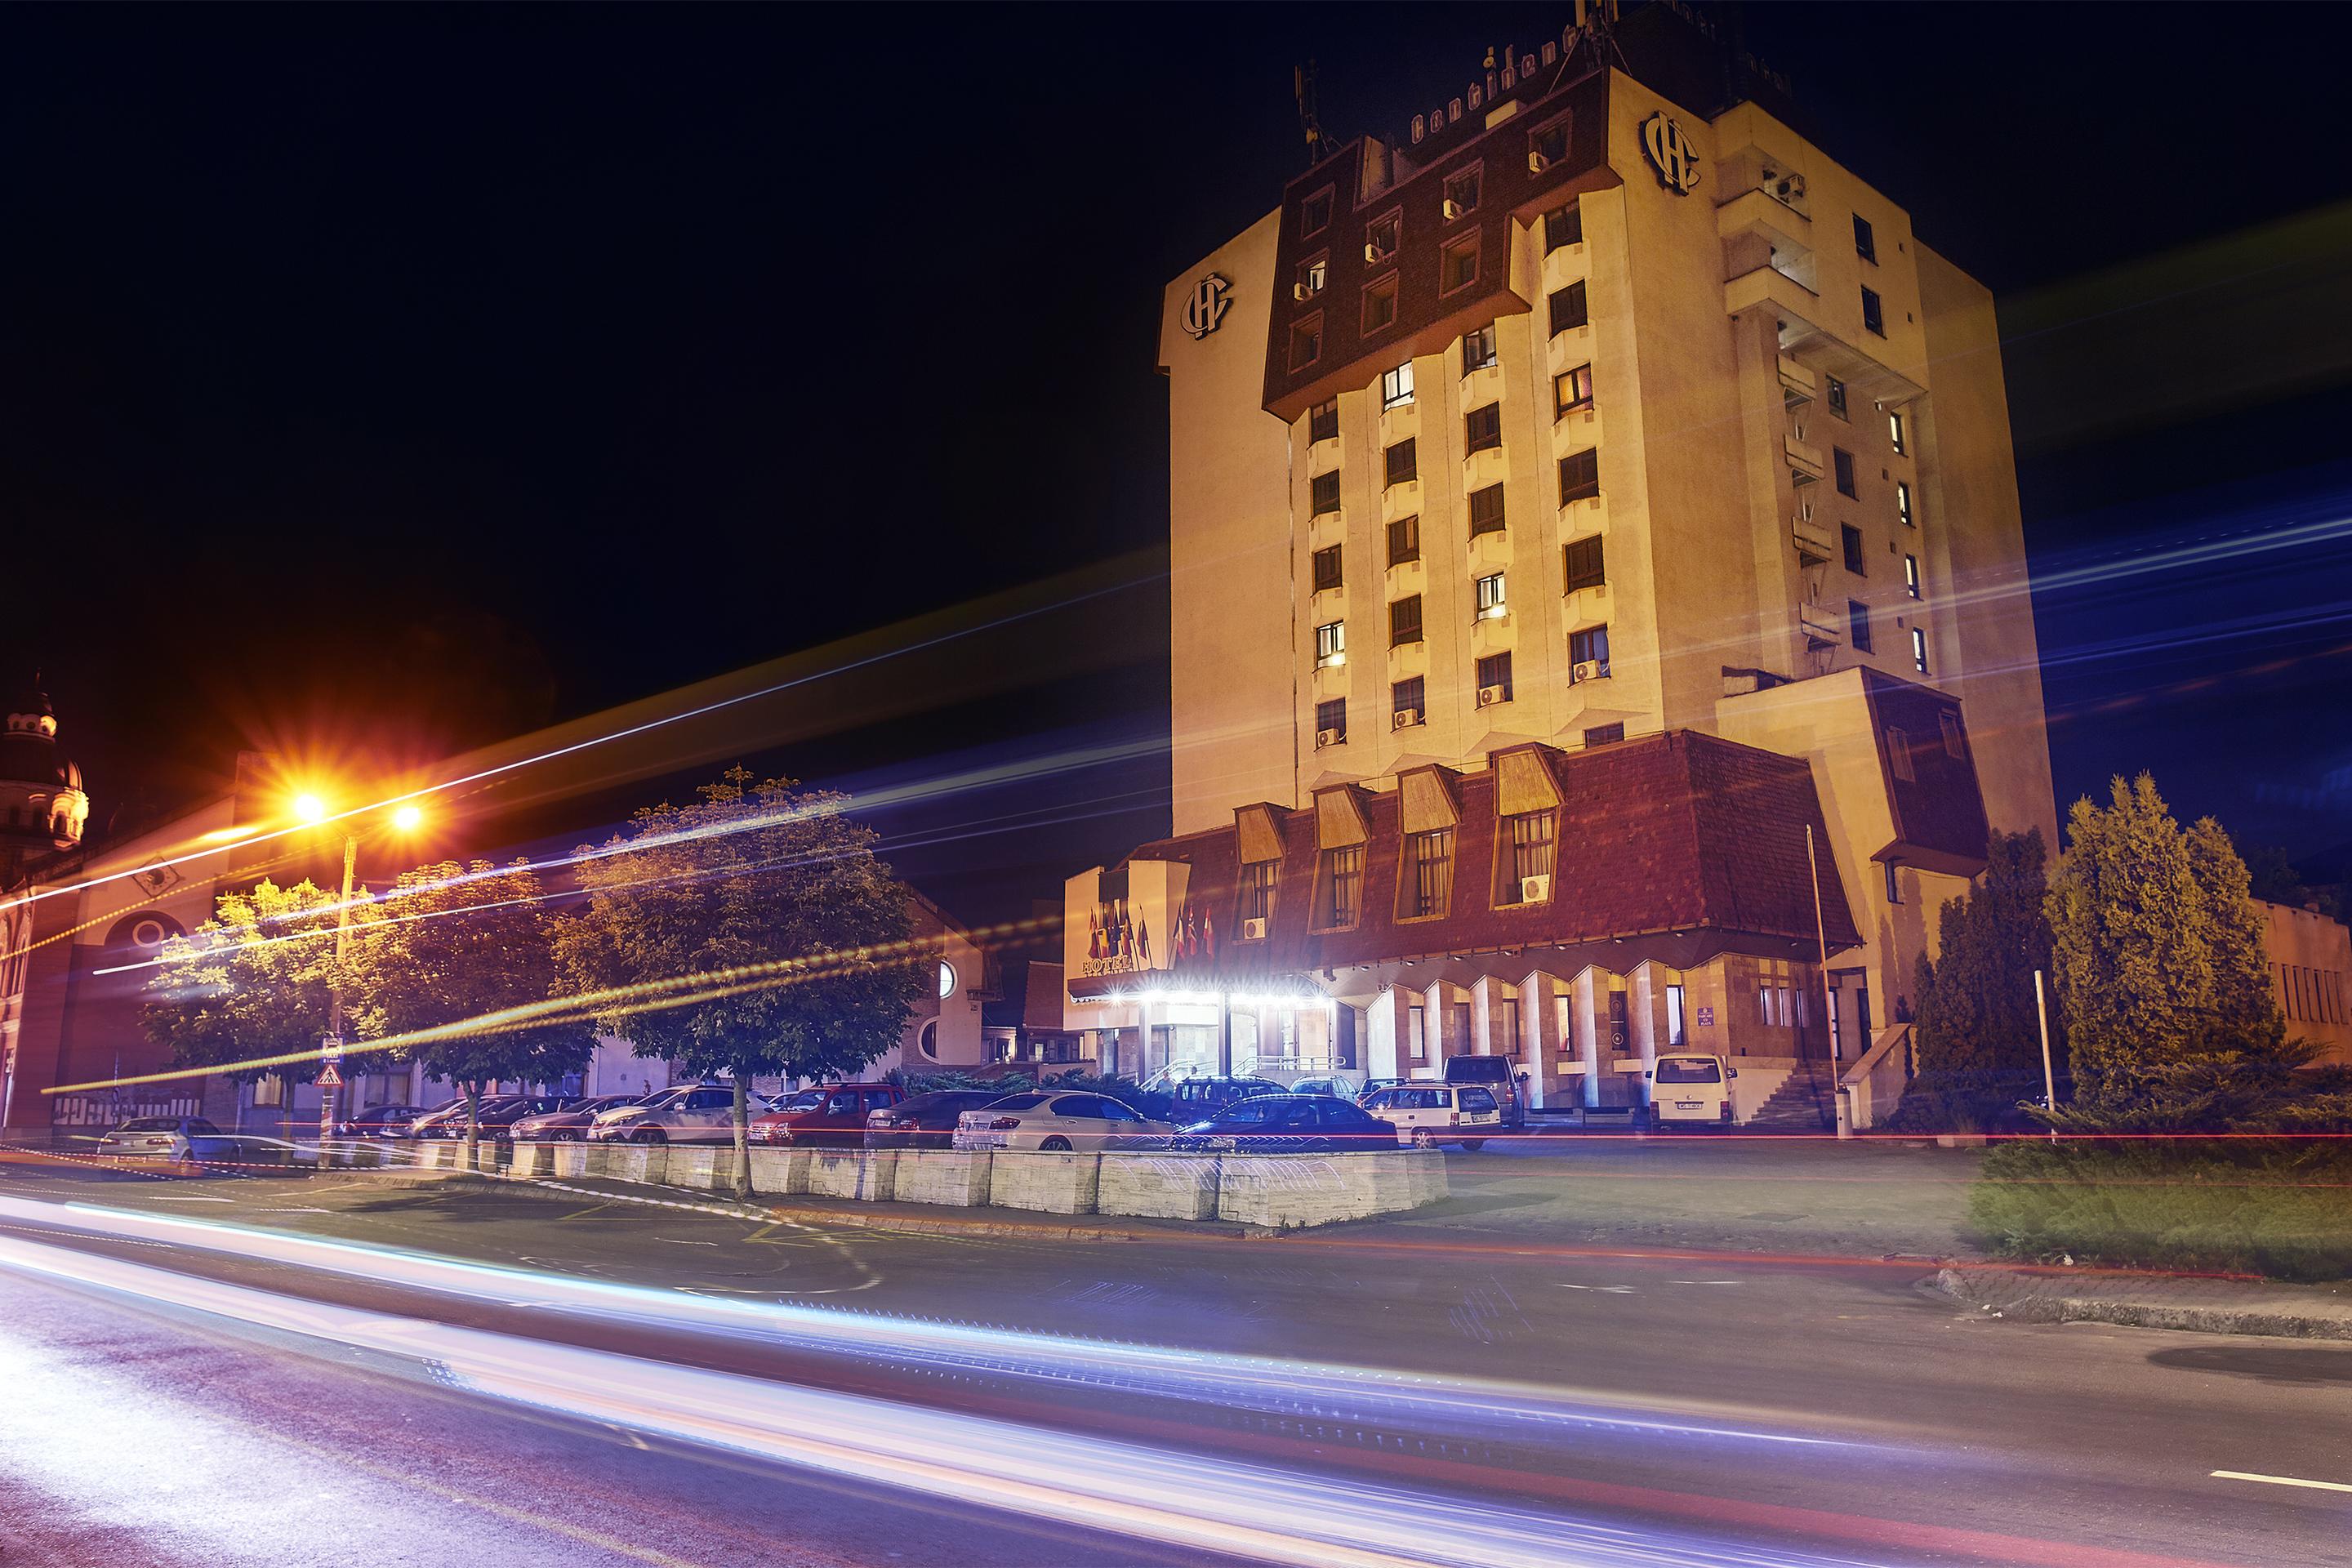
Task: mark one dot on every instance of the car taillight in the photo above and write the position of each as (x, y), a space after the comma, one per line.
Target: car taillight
(1004, 1124)
(1454, 1118)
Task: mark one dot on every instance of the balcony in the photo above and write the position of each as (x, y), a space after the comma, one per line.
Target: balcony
(1805, 465)
(1798, 385)
(1823, 628)
(1763, 211)
(1485, 467)
(1816, 543)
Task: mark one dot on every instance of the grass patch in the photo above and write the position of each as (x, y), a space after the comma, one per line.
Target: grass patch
(2277, 1206)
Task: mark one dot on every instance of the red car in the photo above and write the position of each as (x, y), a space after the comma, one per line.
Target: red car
(833, 1117)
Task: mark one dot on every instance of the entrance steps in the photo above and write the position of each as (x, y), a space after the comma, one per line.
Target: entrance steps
(1801, 1104)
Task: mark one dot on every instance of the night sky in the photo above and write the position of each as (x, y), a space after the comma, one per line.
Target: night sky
(385, 381)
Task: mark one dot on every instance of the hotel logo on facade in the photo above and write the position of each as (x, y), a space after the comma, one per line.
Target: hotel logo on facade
(1670, 154)
(1207, 306)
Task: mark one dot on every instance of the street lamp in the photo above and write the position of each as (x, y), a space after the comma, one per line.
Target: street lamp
(309, 807)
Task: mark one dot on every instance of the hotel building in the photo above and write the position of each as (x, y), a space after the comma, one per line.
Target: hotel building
(1576, 496)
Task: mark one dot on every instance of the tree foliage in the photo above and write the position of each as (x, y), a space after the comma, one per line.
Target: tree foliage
(255, 981)
(1980, 1041)
(471, 945)
(752, 933)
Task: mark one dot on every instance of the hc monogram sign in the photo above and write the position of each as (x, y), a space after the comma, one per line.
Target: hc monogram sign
(1207, 306)
(1670, 154)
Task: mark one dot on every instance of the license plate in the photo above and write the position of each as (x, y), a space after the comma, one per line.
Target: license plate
(1686, 1105)
(983, 1140)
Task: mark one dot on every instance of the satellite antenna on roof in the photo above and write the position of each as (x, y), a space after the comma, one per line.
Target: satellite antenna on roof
(1302, 88)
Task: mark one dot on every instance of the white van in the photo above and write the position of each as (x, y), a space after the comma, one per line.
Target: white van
(1691, 1091)
(1426, 1114)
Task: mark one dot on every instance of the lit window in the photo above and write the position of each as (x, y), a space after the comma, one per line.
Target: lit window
(1323, 421)
(1903, 503)
(1305, 341)
(1580, 476)
(1324, 491)
(1836, 395)
(1483, 427)
(1865, 243)
(1563, 225)
(1404, 464)
(1404, 541)
(1343, 880)
(1380, 304)
(1310, 278)
(1487, 510)
(1494, 679)
(1327, 568)
(1462, 193)
(1331, 722)
(1459, 267)
(1852, 538)
(1396, 386)
(1567, 308)
(1404, 621)
(1331, 643)
(1919, 649)
(1898, 754)
(1844, 461)
(1857, 615)
(1490, 596)
(1873, 315)
(1314, 215)
(1531, 854)
(1478, 348)
(1584, 558)
(1588, 654)
(1430, 886)
(1894, 429)
(1911, 575)
(1571, 390)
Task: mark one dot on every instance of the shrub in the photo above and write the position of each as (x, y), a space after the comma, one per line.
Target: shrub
(2274, 1206)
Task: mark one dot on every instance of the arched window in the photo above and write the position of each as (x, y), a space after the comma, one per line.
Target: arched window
(929, 1039)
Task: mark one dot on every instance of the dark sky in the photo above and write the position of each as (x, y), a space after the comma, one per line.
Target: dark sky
(391, 379)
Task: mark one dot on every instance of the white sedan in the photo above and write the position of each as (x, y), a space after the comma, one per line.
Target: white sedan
(1053, 1123)
(179, 1139)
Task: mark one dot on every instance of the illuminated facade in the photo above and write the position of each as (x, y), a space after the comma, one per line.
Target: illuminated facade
(1597, 410)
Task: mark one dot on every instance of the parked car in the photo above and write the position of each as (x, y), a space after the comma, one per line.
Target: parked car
(495, 1119)
(1689, 1089)
(1290, 1124)
(1336, 1085)
(1425, 1114)
(177, 1138)
(1196, 1099)
(1057, 1124)
(695, 1113)
(1500, 1075)
(834, 1116)
(382, 1122)
(926, 1120)
(571, 1124)
(1372, 1085)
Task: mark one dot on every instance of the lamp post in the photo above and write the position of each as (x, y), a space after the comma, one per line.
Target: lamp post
(313, 809)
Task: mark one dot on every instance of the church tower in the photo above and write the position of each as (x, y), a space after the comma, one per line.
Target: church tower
(43, 807)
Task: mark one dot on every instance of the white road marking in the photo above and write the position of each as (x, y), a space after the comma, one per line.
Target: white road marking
(1706, 1281)
(172, 1198)
(1610, 1289)
(2283, 1481)
(676, 1241)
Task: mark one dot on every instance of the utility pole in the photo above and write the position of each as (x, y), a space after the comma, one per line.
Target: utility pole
(2049, 1077)
(332, 1050)
(1822, 947)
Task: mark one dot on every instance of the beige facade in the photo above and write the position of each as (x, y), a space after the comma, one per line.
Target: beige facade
(2311, 970)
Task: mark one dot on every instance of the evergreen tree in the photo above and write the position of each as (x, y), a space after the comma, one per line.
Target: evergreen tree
(1980, 1041)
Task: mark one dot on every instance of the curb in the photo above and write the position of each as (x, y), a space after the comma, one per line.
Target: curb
(1982, 1289)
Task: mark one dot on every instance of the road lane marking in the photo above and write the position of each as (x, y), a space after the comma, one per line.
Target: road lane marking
(2283, 1481)
(1706, 1281)
(1610, 1289)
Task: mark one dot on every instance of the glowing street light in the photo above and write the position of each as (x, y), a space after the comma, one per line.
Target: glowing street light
(309, 807)
(408, 819)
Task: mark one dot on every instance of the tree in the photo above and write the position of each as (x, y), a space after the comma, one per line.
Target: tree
(2160, 969)
(465, 958)
(1979, 1038)
(752, 933)
(251, 986)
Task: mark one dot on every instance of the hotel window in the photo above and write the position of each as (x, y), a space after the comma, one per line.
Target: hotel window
(1531, 854)
(1324, 490)
(1567, 308)
(1457, 267)
(1590, 647)
(1331, 643)
(1494, 678)
(1257, 890)
(1306, 341)
(1580, 476)
(1549, 145)
(1563, 225)
(1506, 1020)
(1380, 237)
(1919, 649)
(1857, 618)
(1491, 600)
(1483, 427)
(1404, 541)
(1852, 538)
(1380, 304)
(1836, 395)
(1405, 620)
(1331, 722)
(1873, 316)
(1911, 575)
(1894, 886)
(1478, 348)
(1582, 558)
(1414, 1036)
(1343, 880)
(1406, 697)
(1571, 390)
(1894, 429)
(1953, 746)
(1402, 461)
(1487, 510)
(1898, 754)
(1327, 568)
(1311, 275)
(1396, 386)
(1314, 215)
(1431, 885)
(1462, 193)
(1843, 460)
(1323, 421)
(1903, 502)
(1865, 244)
(1604, 734)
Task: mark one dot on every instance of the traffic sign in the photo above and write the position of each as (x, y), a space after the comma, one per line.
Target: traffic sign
(331, 1047)
(329, 1078)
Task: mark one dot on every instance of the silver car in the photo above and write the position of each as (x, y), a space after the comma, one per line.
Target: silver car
(571, 1123)
(696, 1113)
(176, 1138)
(1072, 1122)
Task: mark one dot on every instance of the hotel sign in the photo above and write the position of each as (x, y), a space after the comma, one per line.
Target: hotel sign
(1670, 154)
(1206, 308)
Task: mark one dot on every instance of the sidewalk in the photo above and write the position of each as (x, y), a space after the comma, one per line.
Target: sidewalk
(2199, 1303)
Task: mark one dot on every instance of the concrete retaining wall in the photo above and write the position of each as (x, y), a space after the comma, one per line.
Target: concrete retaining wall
(1158, 1187)
(1285, 1191)
(780, 1173)
(636, 1161)
(867, 1174)
(957, 1178)
(1049, 1184)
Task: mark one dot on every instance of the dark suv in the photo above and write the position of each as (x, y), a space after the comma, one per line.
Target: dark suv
(1199, 1099)
(1500, 1074)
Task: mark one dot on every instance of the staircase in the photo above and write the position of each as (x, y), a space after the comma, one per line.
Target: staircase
(1801, 1105)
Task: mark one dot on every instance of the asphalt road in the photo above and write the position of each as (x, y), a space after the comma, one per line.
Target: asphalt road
(1758, 1404)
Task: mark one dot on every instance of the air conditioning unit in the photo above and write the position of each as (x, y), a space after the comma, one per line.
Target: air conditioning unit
(1488, 696)
(1534, 889)
(1330, 737)
(1584, 670)
(1253, 930)
(1536, 162)
(1404, 718)
(1453, 209)
(1790, 187)
(1300, 291)
(1375, 255)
